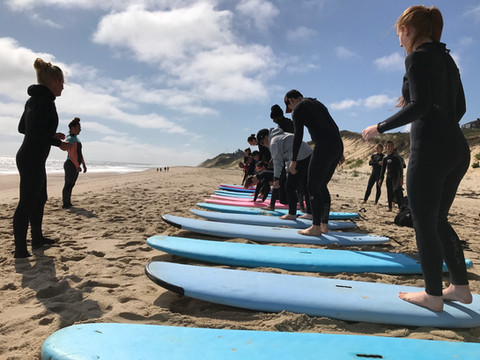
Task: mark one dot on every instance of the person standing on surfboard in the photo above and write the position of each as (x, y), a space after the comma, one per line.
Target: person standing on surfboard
(433, 103)
(280, 145)
(327, 154)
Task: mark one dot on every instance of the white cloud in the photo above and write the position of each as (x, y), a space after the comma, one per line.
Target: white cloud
(474, 12)
(393, 62)
(212, 61)
(372, 102)
(344, 53)
(262, 13)
(300, 33)
(377, 101)
(345, 104)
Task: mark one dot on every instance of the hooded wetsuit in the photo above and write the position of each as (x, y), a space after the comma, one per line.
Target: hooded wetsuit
(39, 123)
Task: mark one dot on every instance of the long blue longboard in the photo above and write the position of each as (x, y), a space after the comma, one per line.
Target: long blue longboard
(267, 220)
(313, 296)
(287, 258)
(271, 234)
(236, 194)
(140, 341)
(260, 211)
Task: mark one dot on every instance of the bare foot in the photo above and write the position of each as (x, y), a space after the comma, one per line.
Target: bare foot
(364, 201)
(389, 210)
(288, 217)
(314, 230)
(434, 303)
(306, 216)
(458, 293)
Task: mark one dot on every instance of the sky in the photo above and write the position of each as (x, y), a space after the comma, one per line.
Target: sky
(176, 82)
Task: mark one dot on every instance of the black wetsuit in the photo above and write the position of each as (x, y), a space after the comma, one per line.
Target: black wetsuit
(285, 124)
(375, 159)
(393, 165)
(439, 158)
(74, 159)
(263, 186)
(326, 155)
(39, 124)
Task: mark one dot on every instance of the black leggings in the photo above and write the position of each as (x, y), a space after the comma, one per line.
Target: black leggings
(33, 196)
(297, 184)
(393, 193)
(71, 176)
(373, 180)
(323, 162)
(432, 186)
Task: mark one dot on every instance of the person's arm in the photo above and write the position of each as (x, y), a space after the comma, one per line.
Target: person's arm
(298, 124)
(417, 66)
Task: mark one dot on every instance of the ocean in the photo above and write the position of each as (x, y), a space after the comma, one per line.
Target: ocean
(8, 166)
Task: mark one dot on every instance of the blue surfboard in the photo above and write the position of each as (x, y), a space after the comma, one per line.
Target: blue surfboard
(236, 188)
(140, 341)
(236, 194)
(271, 234)
(314, 296)
(287, 258)
(267, 220)
(260, 211)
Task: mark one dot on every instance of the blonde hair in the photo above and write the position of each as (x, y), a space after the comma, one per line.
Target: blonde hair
(46, 71)
(426, 22)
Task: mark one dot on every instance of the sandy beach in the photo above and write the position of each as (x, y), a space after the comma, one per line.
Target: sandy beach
(95, 273)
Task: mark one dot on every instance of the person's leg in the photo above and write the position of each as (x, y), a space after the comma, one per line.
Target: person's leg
(371, 182)
(379, 190)
(389, 185)
(291, 187)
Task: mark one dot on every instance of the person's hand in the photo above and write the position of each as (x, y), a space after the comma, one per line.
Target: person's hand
(276, 184)
(380, 182)
(79, 169)
(292, 167)
(59, 136)
(342, 160)
(66, 146)
(370, 132)
(380, 163)
(401, 181)
(84, 168)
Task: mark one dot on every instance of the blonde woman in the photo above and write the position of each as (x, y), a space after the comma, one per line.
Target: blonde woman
(433, 103)
(39, 125)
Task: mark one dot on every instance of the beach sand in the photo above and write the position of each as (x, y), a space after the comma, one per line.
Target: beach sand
(95, 273)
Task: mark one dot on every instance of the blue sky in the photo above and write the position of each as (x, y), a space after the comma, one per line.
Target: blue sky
(174, 82)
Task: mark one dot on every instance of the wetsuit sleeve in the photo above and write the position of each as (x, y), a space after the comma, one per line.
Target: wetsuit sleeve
(372, 160)
(384, 168)
(277, 157)
(417, 68)
(298, 122)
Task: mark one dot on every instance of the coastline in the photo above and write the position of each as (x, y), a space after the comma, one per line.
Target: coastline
(95, 273)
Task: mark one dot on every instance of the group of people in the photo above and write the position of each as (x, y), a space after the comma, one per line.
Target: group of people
(433, 103)
(391, 164)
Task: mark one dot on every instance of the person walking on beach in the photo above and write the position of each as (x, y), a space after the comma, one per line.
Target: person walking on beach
(281, 146)
(376, 164)
(327, 154)
(72, 165)
(434, 103)
(39, 124)
(393, 165)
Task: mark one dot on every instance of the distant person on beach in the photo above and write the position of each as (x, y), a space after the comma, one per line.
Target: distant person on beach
(72, 165)
(276, 114)
(376, 164)
(433, 103)
(327, 153)
(281, 145)
(39, 124)
(392, 165)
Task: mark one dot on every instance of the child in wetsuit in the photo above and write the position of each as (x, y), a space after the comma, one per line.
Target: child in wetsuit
(393, 165)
